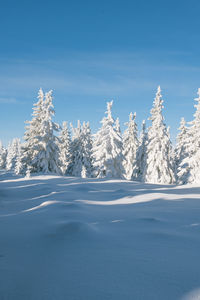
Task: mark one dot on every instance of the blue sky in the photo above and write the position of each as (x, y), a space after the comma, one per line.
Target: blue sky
(90, 52)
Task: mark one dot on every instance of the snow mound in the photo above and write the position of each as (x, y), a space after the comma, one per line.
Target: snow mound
(71, 229)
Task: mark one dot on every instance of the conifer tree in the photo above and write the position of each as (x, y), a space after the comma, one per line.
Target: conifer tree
(86, 137)
(31, 136)
(130, 146)
(141, 153)
(19, 164)
(159, 166)
(13, 152)
(189, 167)
(81, 151)
(108, 148)
(64, 145)
(76, 165)
(3, 155)
(46, 159)
(181, 148)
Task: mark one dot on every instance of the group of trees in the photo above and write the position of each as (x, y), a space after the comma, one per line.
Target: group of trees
(150, 157)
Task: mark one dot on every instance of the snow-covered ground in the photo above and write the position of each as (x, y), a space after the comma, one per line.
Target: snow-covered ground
(63, 238)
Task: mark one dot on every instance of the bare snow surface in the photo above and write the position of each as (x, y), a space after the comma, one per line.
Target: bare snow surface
(65, 238)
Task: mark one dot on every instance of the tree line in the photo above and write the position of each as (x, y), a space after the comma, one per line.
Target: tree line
(148, 157)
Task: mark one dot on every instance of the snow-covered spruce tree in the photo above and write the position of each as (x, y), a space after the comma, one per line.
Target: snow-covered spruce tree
(130, 146)
(81, 151)
(64, 145)
(18, 164)
(32, 133)
(189, 167)
(3, 154)
(181, 151)
(46, 152)
(9, 157)
(172, 157)
(87, 168)
(142, 150)
(76, 164)
(13, 153)
(108, 147)
(159, 166)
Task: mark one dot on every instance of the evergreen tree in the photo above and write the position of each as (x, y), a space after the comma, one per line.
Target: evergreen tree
(130, 146)
(64, 145)
(9, 156)
(108, 148)
(181, 148)
(142, 150)
(32, 133)
(76, 165)
(13, 153)
(3, 155)
(159, 164)
(46, 150)
(19, 164)
(87, 143)
(81, 151)
(189, 167)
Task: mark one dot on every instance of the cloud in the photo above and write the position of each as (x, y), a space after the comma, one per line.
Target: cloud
(98, 74)
(5, 100)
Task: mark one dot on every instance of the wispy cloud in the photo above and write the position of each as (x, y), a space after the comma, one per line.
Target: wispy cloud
(5, 100)
(129, 78)
(104, 75)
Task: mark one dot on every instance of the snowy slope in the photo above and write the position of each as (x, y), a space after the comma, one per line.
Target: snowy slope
(87, 239)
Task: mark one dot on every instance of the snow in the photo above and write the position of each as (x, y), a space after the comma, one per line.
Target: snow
(188, 170)
(108, 148)
(131, 144)
(85, 239)
(159, 164)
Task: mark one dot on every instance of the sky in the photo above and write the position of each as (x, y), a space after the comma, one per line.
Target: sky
(91, 52)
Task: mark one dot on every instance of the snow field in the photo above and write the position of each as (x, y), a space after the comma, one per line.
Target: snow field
(77, 239)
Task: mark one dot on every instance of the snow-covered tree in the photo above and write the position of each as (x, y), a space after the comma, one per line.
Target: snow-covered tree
(19, 164)
(130, 146)
(13, 153)
(81, 151)
(142, 150)
(39, 153)
(87, 150)
(46, 158)
(108, 148)
(75, 167)
(9, 157)
(32, 133)
(159, 162)
(64, 145)
(189, 167)
(3, 154)
(181, 148)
